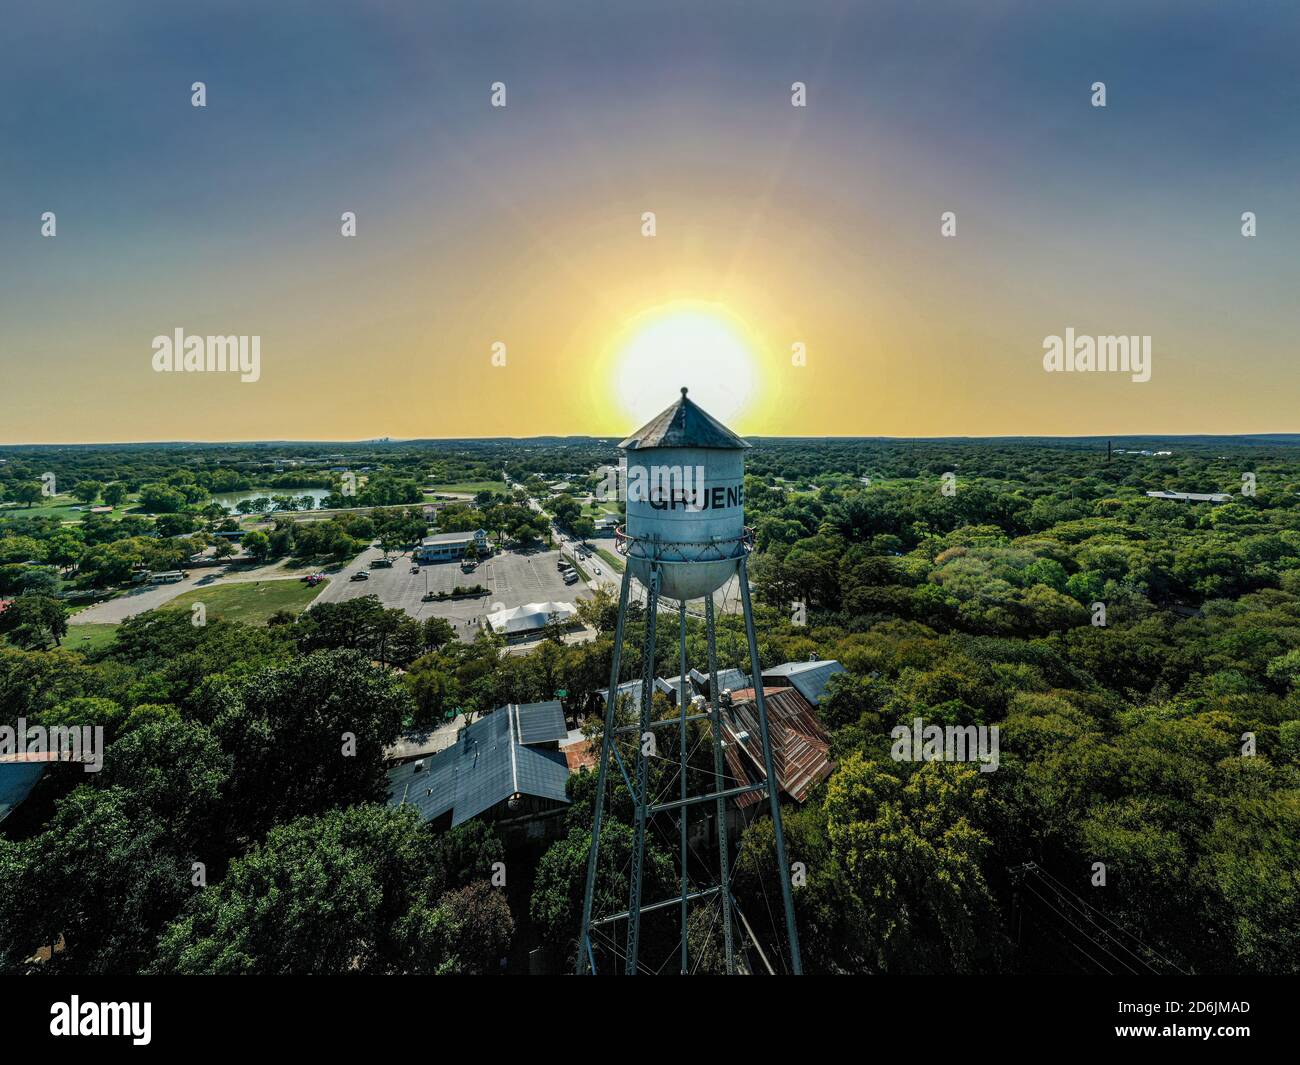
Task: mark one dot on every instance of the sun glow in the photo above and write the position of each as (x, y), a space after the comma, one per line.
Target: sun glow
(699, 346)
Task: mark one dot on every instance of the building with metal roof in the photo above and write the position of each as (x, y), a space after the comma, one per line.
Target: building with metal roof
(800, 745)
(809, 678)
(630, 693)
(18, 775)
(666, 686)
(728, 679)
(672, 686)
(502, 766)
(539, 722)
(448, 545)
(1193, 497)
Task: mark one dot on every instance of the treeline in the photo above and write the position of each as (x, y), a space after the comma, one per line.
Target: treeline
(237, 467)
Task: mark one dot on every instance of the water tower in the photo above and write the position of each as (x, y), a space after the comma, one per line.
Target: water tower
(684, 539)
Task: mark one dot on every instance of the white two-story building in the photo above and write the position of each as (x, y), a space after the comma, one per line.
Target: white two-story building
(443, 547)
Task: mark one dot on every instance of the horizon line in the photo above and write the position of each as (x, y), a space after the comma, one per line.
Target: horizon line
(384, 440)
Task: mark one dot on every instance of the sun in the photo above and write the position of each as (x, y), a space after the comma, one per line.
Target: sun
(697, 346)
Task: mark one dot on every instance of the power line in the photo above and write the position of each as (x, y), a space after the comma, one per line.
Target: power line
(1143, 965)
(1085, 936)
(1147, 947)
(1064, 899)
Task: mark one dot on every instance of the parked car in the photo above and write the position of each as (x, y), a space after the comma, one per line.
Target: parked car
(382, 563)
(361, 575)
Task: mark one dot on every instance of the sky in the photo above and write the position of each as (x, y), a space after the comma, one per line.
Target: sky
(778, 229)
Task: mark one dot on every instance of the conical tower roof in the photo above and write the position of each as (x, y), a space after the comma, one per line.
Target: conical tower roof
(684, 424)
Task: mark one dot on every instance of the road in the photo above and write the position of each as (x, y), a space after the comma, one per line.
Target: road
(150, 596)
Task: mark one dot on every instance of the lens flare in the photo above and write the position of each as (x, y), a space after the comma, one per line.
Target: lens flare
(700, 347)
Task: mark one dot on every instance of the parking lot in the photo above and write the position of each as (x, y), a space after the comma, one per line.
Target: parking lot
(512, 579)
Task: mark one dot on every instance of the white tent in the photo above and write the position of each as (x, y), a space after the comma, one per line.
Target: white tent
(530, 616)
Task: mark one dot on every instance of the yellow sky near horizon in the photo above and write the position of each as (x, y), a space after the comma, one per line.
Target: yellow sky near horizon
(391, 333)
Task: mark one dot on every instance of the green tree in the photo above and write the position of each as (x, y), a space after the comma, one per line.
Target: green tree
(556, 904)
(39, 581)
(911, 852)
(436, 633)
(87, 491)
(326, 894)
(257, 544)
(101, 881)
(28, 493)
(309, 735)
(176, 772)
(34, 621)
(467, 933)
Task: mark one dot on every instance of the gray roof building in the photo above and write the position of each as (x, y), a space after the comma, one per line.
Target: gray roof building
(728, 679)
(631, 689)
(539, 722)
(667, 686)
(672, 686)
(462, 537)
(17, 778)
(808, 678)
(1193, 497)
(494, 760)
(697, 683)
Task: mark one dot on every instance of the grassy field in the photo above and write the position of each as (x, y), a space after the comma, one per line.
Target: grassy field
(471, 487)
(89, 637)
(61, 507)
(56, 507)
(252, 602)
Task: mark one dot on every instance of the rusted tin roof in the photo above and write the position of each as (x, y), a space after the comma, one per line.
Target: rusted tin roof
(800, 745)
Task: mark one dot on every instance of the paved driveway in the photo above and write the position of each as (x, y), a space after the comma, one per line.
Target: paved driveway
(149, 596)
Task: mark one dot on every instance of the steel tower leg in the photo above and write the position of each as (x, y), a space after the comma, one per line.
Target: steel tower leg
(773, 785)
(681, 754)
(641, 798)
(606, 746)
(724, 845)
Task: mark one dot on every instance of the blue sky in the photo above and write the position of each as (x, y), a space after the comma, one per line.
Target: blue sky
(818, 225)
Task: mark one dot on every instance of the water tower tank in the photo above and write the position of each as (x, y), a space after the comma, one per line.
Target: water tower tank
(685, 502)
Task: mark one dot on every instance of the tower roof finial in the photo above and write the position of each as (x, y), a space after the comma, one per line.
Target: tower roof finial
(684, 424)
